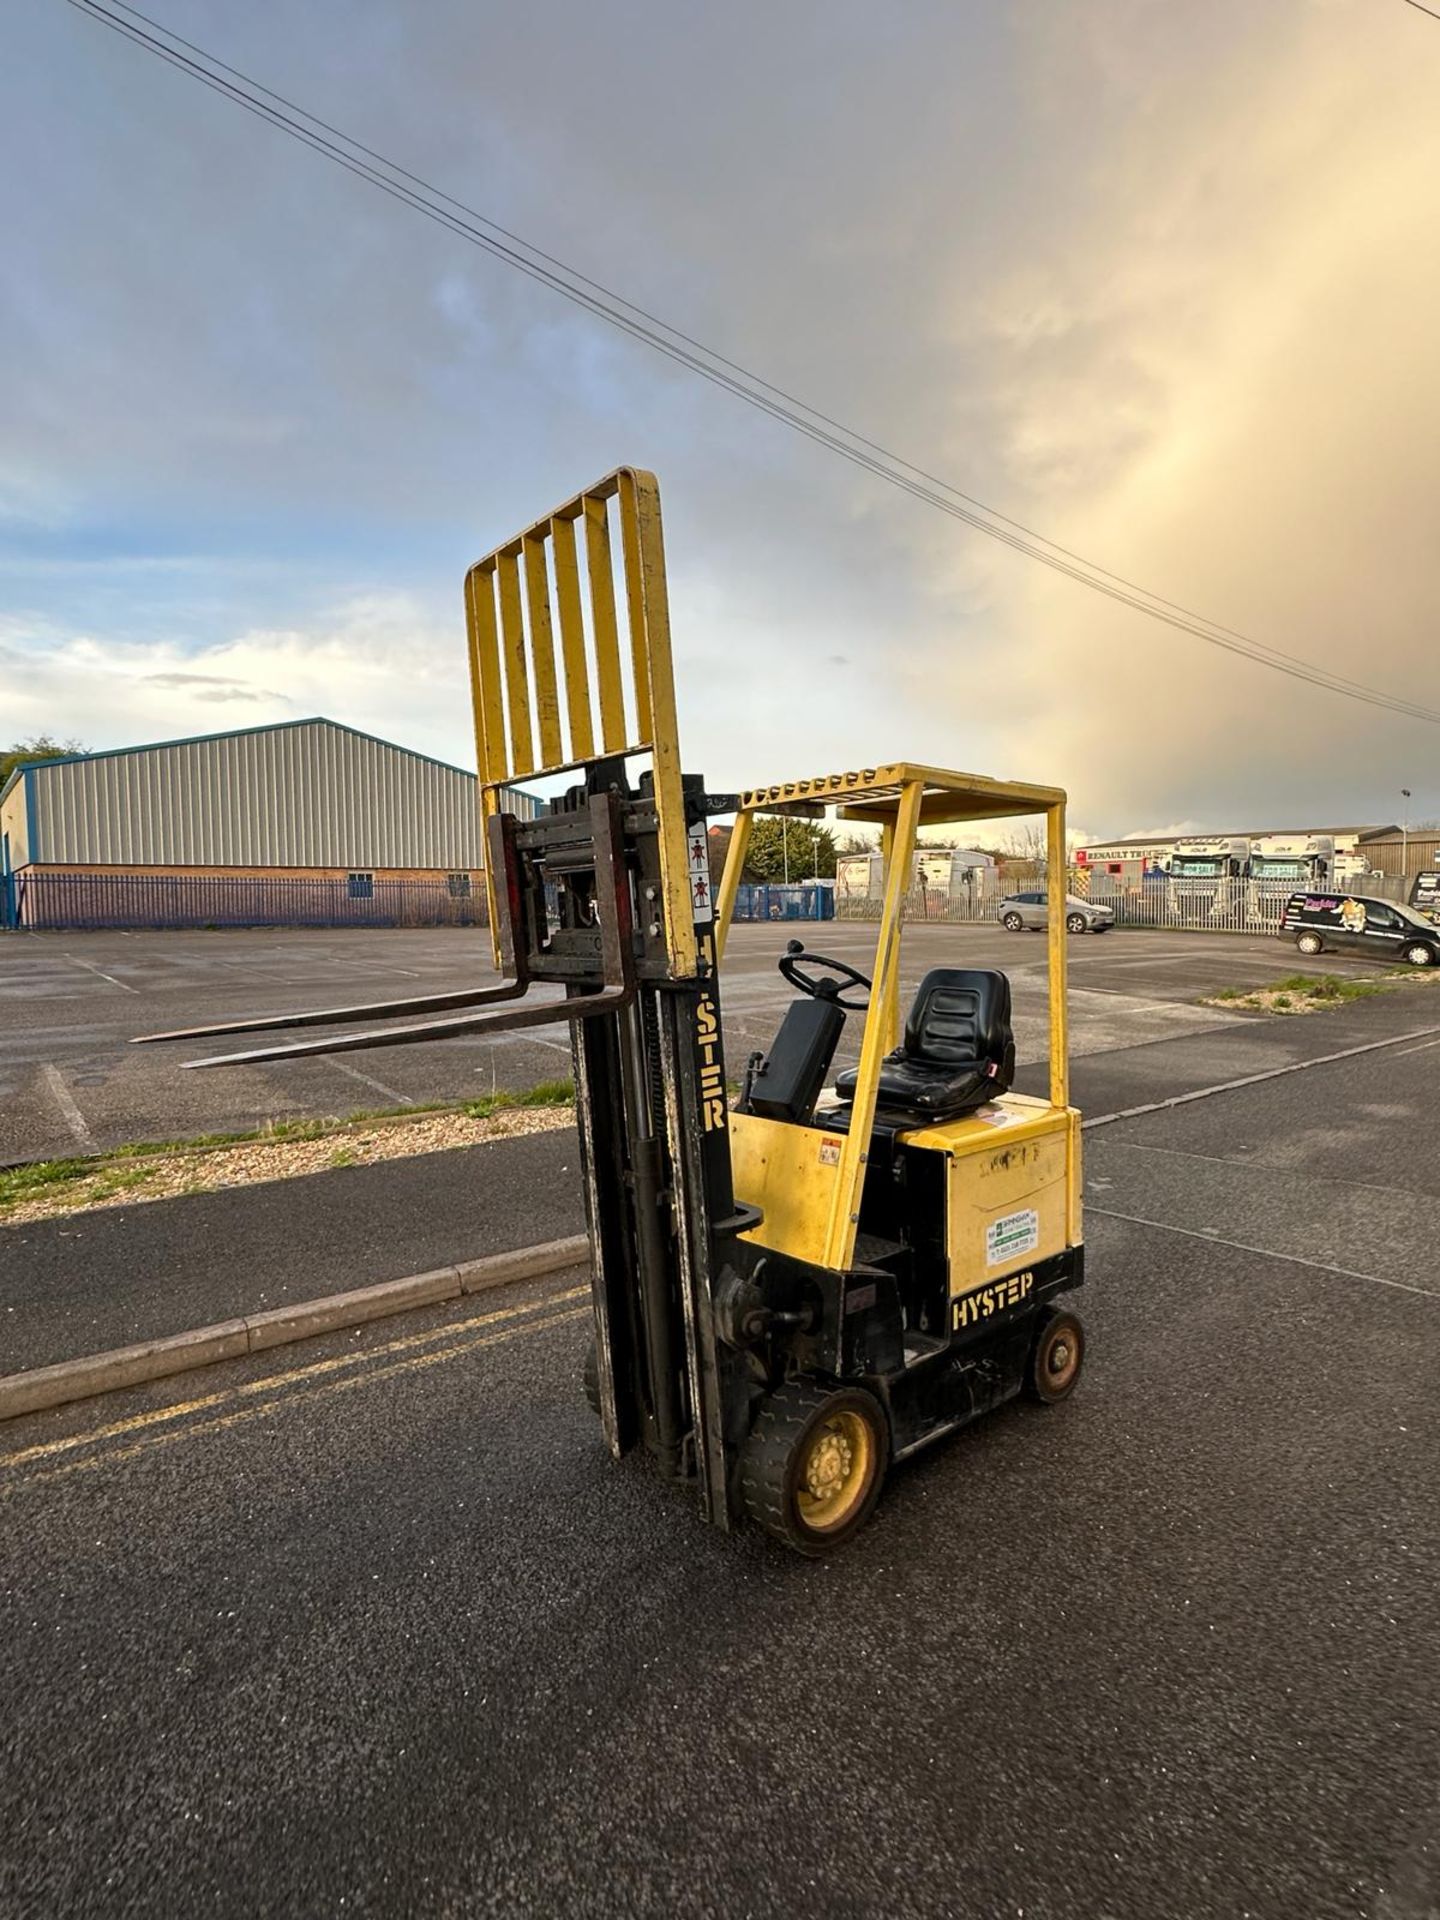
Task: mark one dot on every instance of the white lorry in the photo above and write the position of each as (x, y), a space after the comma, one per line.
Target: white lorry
(951, 872)
(1302, 859)
(1202, 869)
(1350, 867)
(1199, 858)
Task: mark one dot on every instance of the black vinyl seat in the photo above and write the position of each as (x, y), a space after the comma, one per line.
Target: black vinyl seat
(958, 1051)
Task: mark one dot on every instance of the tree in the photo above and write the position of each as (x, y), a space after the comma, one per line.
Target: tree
(42, 747)
(1025, 842)
(805, 849)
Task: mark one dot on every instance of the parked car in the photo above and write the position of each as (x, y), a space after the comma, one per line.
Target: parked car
(1019, 910)
(1351, 923)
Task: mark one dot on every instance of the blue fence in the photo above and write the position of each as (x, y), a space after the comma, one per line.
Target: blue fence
(785, 903)
(49, 901)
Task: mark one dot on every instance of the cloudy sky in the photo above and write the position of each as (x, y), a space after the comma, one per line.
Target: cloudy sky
(1161, 282)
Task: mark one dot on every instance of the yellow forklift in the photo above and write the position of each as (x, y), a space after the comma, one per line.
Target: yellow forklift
(795, 1288)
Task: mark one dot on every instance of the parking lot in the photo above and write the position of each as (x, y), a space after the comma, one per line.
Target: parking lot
(70, 1081)
(375, 1625)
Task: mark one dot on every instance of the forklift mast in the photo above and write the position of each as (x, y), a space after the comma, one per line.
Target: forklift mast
(607, 898)
(610, 893)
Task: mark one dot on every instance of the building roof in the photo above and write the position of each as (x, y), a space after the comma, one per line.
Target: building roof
(228, 733)
(1234, 833)
(303, 793)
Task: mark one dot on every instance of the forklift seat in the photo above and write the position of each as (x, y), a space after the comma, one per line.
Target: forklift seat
(958, 1051)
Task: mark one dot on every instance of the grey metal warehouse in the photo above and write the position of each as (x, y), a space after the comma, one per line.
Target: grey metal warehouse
(305, 823)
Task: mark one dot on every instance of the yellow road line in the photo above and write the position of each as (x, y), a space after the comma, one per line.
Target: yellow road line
(223, 1422)
(292, 1376)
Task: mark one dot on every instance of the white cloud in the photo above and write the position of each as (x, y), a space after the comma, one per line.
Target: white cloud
(1161, 282)
(383, 663)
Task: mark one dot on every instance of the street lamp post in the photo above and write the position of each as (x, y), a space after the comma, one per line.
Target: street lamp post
(1405, 832)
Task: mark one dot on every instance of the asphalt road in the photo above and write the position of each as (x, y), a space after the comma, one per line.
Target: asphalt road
(374, 1627)
(70, 1081)
(114, 1275)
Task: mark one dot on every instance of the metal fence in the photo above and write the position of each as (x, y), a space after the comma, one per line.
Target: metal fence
(1226, 906)
(1220, 906)
(924, 903)
(50, 901)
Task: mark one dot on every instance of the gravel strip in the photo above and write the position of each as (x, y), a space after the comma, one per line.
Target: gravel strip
(166, 1176)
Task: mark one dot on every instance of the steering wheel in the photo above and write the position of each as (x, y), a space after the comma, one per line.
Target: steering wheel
(794, 969)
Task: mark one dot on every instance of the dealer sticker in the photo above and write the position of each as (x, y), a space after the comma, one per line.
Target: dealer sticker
(1012, 1237)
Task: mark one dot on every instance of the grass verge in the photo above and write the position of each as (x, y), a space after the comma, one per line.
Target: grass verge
(163, 1169)
(1312, 993)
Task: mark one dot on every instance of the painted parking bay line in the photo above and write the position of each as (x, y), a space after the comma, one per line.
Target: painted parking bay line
(368, 1080)
(1265, 1253)
(90, 967)
(162, 1425)
(1254, 1079)
(65, 1101)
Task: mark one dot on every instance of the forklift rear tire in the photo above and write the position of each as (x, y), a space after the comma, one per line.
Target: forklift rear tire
(1056, 1358)
(812, 1467)
(592, 1379)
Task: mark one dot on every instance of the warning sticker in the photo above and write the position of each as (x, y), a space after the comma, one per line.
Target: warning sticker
(1011, 1237)
(829, 1151)
(999, 1116)
(701, 904)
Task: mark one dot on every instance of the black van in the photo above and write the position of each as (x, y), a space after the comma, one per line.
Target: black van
(1371, 929)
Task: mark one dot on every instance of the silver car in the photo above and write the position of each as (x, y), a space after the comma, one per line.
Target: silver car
(1019, 910)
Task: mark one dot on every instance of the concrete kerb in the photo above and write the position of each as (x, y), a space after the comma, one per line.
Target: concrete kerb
(40, 1387)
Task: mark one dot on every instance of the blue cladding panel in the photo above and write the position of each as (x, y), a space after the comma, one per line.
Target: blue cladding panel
(784, 903)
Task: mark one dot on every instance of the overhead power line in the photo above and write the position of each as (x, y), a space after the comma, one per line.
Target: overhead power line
(1422, 9)
(686, 351)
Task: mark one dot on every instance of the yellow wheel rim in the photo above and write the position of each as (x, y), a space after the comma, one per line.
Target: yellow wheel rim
(835, 1471)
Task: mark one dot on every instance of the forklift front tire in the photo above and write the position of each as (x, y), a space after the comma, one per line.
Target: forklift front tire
(592, 1379)
(813, 1464)
(1056, 1358)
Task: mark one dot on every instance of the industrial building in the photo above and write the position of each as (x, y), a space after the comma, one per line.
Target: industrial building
(304, 823)
(1156, 850)
(1404, 850)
